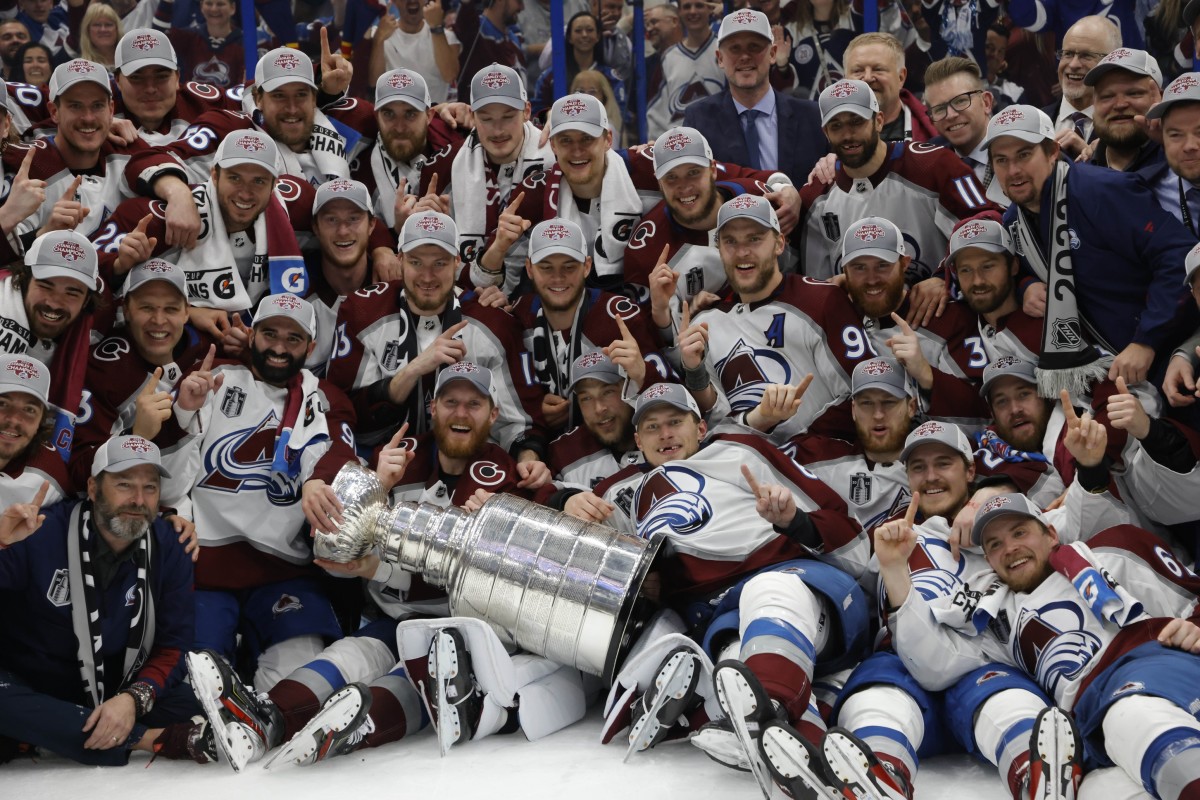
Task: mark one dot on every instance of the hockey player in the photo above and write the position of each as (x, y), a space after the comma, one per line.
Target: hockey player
(562, 319)
(922, 188)
(750, 543)
(393, 338)
(27, 457)
(273, 437)
(90, 668)
(1106, 628)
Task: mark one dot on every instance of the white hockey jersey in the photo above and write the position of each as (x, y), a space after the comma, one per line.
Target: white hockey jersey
(687, 76)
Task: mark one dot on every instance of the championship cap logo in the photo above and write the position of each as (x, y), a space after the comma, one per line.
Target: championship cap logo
(340, 185)
(1116, 55)
(656, 391)
(1010, 115)
(744, 17)
(68, 251)
(157, 265)
(929, 429)
(136, 444)
(592, 359)
(25, 370)
(1183, 83)
(869, 232)
(875, 368)
(463, 368)
(251, 144)
(288, 302)
(144, 41)
(1195, 251)
(555, 232)
(494, 80)
(999, 501)
(677, 141)
(288, 61)
(573, 107)
(81, 66)
(430, 224)
(743, 201)
(1004, 362)
(972, 230)
(400, 80)
(843, 90)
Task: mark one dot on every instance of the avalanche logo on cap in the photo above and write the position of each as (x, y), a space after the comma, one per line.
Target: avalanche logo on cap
(574, 107)
(81, 66)
(25, 370)
(157, 265)
(592, 359)
(929, 429)
(743, 201)
(340, 185)
(400, 81)
(68, 251)
(843, 90)
(555, 232)
(430, 224)
(288, 61)
(463, 368)
(877, 368)
(288, 302)
(677, 141)
(1183, 83)
(869, 232)
(144, 41)
(1116, 55)
(972, 230)
(494, 80)
(1010, 115)
(999, 501)
(1004, 362)
(656, 391)
(251, 144)
(137, 444)
(744, 17)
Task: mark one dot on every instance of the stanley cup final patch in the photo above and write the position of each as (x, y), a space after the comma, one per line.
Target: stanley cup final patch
(860, 488)
(59, 592)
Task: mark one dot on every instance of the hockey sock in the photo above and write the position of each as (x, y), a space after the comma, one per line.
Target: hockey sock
(889, 721)
(1156, 742)
(280, 659)
(1002, 728)
(396, 709)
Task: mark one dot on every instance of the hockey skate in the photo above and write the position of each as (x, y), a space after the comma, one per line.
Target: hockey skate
(669, 698)
(747, 709)
(455, 702)
(243, 725)
(1055, 756)
(856, 772)
(797, 767)
(340, 727)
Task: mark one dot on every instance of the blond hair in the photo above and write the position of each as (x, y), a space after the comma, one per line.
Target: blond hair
(609, 100)
(86, 48)
(885, 39)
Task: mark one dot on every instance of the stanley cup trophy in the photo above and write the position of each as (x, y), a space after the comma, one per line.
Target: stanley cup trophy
(555, 585)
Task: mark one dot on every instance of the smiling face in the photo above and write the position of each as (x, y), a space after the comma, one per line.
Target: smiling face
(242, 194)
(125, 503)
(882, 421)
(963, 129)
(875, 286)
(750, 255)
(462, 419)
(403, 129)
(1022, 169)
(288, 112)
(278, 349)
(36, 66)
(103, 33)
(21, 415)
(583, 34)
(605, 414)
(13, 34)
(217, 13)
(1018, 550)
(690, 191)
(854, 139)
(695, 15)
(943, 478)
(428, 272)
(1120, 95)
(582, 159)
(1020, 414)
(84, 115)
(1181, 140)
(501, 130)
(154, 317)
(559, 280)
(1083, 45)
(342, 229)
(878, 66)
(52, 304)
(986, 278)
(149, 93)
(746, 59)
(666, 434)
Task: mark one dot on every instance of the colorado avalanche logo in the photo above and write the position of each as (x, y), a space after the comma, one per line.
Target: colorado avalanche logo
(144, 42)
(995, 503)
(158, 266)
(1182, 84)
(1052, 645)
(972, 230)
(869, 232)
(747, 371)
(744, 18)
(843, 90)
(677, 141)
(136, 444)
(670, 501)
(1116, 55)
(81, 67)
(241, 462)
(430, 224)
(287, 61)
(744, 201)
(877, 367)
(929, 429)
(555, 232)
(573, 107)
(401, 80)
(25, 370)
(494, 80)
(1009, 115)
(251, 144)
(68, 251)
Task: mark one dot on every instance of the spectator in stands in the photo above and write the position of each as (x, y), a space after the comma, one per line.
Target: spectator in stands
(595, 83)
(213, 54)
(534, 20)
(98, 34)
(13, 34)
(47, 23)
(877, 59)
(33, 64)
(416, 38)
(489, 35)
(689, 69)
(1086, 43)
(584, 53)
(820, 32)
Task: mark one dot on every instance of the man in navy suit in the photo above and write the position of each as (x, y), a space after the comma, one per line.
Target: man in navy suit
(748, 122)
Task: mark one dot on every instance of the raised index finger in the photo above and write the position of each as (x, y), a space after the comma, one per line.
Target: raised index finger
(395, 440)
(750, 480)
(326, 53)
(432, 184)
(1068, 409)
(70, 193)
(143, 223)
(666, 254)
(206, 365)
(685, 321)
(23, 172)
(803, 385)
(40, 497)
(515, 204)
(453, 330)
(625, 334)
(910, 514)
(905, 328)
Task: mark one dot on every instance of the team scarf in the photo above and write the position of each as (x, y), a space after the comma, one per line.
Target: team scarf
(331, 144)
(387, 173)
(620, 210)
(274, 243)
(990, 441)
(1067, 361)
(554, 372)
(416, 405)
(68, 368)
(296, 433)
(958, 26)
(85, 607)
(1107, 599)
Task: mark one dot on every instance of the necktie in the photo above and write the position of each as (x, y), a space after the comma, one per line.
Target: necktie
(750, 128)
(1080, 120)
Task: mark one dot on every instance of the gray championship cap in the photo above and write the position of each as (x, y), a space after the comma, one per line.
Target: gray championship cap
(554, 237)
(943, 433)
(748, 206)
(402, 86)
(595, 366)
(848, 95)
(64, 254)
(665, 394)
(680, 146)
(342, 189)
(429, 227)
(282, 66)
(1190, 265)
(1184, 89)
(477, 376)
(745, 21)
(121, 453)
(578, 112)
(144, 47)
(1003, 505)
(1007, 367)
(294, 308)
(1027, 123)
(156, 269)
(1139, 62)
(879, 373)
(985, 234)
(872, 237)
(243, 147)
(26, 374)
(498, 84)
(75, 72)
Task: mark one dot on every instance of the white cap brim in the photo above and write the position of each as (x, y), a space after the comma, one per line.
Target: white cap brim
(274, 83)
(890, 256)
(1024, 136)
(402, 98)
(511, 102)
(556, 250)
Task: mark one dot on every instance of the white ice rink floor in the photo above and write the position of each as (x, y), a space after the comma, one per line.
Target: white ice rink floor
(569, 765)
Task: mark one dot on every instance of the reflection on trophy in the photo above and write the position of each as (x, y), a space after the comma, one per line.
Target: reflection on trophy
(553, 584)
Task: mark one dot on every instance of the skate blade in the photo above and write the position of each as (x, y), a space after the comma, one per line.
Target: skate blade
(671, 683)
(206, 680)
(852, 767)
(336, 716)
(731, 702)
(1057, 747)
(789, 761)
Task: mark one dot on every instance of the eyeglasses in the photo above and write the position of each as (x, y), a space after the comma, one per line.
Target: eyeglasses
(959, 102)
(1084, 56)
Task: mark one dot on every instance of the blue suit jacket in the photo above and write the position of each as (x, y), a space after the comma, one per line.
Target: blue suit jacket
(801, 140)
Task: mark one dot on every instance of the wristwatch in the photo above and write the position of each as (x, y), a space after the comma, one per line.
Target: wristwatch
(440, 29)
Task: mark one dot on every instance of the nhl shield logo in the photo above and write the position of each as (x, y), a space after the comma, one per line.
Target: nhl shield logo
(494, 80)
(1066, 333)
(843, 90)
(860, 488)
(234, 402)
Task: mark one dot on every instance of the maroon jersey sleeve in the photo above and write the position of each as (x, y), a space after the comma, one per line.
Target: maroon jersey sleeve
(340, 419)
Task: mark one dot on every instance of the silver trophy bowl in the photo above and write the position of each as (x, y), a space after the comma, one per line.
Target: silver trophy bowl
(553, 584)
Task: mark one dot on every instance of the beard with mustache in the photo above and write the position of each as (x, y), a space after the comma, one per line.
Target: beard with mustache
(276, 376)
(108, 518)
(453, 445)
